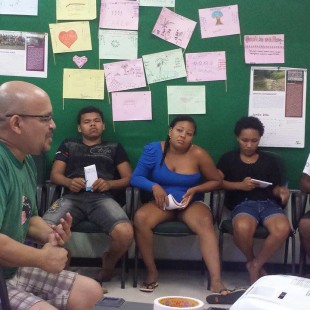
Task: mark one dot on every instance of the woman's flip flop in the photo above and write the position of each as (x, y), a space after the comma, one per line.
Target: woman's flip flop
(148, 287)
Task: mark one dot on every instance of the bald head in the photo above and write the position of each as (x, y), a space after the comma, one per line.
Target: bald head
(17, 97)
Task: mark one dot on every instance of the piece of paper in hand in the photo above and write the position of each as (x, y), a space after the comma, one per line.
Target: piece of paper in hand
(90, 176)
(173, 204)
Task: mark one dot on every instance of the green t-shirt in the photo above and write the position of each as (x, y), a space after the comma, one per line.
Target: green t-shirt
(17, 197)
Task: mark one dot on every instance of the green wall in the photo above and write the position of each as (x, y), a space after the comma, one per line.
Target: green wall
(223, 108)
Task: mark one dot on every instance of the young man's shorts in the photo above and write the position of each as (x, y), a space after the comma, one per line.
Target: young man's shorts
(260, 210)
(97, 208)
(32, 285)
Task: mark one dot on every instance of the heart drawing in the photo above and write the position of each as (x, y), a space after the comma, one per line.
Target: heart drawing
(80, 61)
(67, 37)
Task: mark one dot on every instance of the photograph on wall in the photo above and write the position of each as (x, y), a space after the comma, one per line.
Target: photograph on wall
(23, 53)
(278, 99)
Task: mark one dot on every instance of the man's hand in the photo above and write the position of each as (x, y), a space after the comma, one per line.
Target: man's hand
(55, 258)
(77, 184)
(61, 232)
(101, 185)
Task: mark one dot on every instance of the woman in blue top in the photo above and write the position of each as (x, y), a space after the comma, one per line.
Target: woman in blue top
(177, 167)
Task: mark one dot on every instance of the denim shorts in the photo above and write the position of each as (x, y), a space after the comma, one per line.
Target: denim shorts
(32, 285)
(260, 209)
(98, 208)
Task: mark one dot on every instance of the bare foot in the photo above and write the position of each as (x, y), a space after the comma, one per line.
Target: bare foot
(152, 276)
(254, 271)
(263, 272)
(219, 287)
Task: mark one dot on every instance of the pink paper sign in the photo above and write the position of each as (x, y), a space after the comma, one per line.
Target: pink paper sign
(206, 66)
(219, 21)
(131, 106)
(122, 75)
(174, 28)
(119, 14)
(264, 49)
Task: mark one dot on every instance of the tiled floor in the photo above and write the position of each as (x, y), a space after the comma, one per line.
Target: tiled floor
(171, 283)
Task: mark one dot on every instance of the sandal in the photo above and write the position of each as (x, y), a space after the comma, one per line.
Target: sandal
(148, 287)
(225, 299)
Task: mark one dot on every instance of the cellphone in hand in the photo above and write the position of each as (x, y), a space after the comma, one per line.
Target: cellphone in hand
(114, 302)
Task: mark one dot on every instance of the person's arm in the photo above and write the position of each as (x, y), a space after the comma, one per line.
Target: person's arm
(140, 176)
(281, 192)
(210, 173)
(245, 185)
(58, 177)
(305, 183)
(40, 232)
(16, 254)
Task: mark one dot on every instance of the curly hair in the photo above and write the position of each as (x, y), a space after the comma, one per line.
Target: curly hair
(249, 122)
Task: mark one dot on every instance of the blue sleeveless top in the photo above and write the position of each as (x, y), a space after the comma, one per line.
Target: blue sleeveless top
(149, 172)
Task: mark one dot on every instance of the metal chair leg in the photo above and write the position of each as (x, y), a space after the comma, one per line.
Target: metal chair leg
(135, 272)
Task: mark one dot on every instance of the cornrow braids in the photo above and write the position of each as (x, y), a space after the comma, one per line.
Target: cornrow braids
(166, 147)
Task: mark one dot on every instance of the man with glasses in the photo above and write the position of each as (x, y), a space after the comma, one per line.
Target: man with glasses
(35, 277)
(96, 203)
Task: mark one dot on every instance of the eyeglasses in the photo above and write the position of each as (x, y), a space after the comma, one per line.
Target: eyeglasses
(43, 118)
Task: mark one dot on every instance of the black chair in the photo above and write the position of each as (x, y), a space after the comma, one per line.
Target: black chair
(225, 227)
(4, 298)
(299, 203)
(168, 229)
(53, 192)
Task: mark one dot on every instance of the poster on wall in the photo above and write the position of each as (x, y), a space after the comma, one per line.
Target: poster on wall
(23, 53)
(264, 49)
(278, 99)
(19, 7)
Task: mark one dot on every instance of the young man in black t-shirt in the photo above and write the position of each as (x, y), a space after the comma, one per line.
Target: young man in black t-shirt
(97, 205)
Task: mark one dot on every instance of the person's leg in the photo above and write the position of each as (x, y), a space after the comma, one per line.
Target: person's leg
(146, 218)
(85, 293)
(108, 214)
(33, 288)
(304, 233)
(245, 217)
(279, 229)
(244, 227)
(121, 239)
(68, 203)
(198, 217)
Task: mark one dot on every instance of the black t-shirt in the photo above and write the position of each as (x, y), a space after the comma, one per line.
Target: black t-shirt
(266, 168)
(106, 156)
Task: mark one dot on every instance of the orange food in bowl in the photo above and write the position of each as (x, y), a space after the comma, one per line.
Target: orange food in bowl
(178, 302)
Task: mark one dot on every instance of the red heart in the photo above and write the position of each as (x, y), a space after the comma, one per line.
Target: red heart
(67, 37)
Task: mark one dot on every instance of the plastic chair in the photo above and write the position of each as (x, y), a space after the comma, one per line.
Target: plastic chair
(168, 229)
(225, 227)
(53, 192)
(299, 203)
